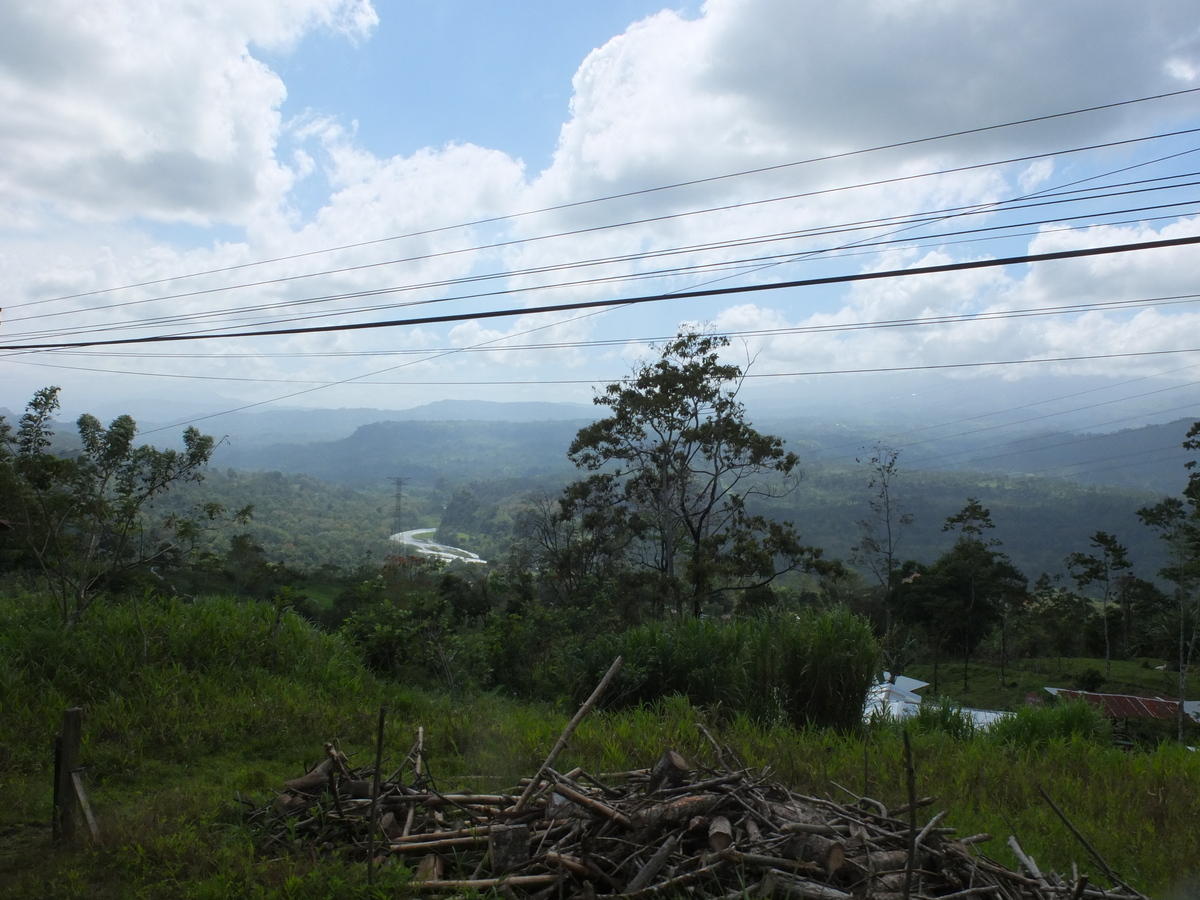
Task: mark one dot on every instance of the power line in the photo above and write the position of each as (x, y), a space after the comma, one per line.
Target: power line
(631, 301)
(909, 220)
(926, 321)
(644, 191)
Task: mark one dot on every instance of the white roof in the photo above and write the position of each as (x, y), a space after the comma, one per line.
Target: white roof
(891, 700)
(900, 700)
(904, 682)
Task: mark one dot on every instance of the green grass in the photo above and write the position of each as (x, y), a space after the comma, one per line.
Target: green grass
(188, 706)
(1024, 677)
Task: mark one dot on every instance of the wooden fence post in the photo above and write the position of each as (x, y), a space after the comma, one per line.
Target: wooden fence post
(66, 762)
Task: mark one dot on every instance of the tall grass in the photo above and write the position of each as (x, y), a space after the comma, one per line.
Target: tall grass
(189, 705)
(807, 668)
(1038, 727)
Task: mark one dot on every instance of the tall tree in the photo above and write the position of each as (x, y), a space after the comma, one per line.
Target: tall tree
(976, 572)
(1100, 568)
(682, 464)
(880, 533)
(1177, 520)
(84, 519)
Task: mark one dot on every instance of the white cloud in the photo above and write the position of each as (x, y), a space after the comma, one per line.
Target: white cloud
(133, 111)
(114, 108)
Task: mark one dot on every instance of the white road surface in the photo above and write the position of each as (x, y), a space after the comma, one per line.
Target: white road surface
(434, 550)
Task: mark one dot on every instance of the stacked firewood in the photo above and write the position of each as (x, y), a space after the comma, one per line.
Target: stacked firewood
(717, 832)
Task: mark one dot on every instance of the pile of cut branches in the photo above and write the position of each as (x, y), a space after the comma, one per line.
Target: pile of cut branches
(645, 833)
(720, 831)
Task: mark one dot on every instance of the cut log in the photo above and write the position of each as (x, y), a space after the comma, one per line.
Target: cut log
(646, 874)
(314, 782)
(674, 812)
(781, 884)
(670, 771)
(508, 846)
(593, 804)
(816, 848)
(720, 834)
(430, 868)
(81, 796)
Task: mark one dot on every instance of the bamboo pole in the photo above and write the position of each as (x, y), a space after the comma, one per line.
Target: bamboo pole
(375, 797)
(567, 732)
(412, 810)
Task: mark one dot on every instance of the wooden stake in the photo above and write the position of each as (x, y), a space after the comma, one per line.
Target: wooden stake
(412, 810)
(536, 781)
(68, 762)
(375, 797)
(912, 815)
(77, 784)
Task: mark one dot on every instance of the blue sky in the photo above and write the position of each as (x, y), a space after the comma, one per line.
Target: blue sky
(322, 160)
(441, 71)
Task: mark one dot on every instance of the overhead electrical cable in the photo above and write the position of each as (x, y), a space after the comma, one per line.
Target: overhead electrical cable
(791, 330)
(998, 230)
(808, 373)
(644, 191)
(990, 206)
(967, 265)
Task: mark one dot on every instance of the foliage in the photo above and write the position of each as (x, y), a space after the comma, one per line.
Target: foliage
(300, 522)
(1177, 520)
(1036, 727)
(1100, 567)
(943, 716)
(809, 668)
(85, 520)
(675, 465)
(967, 591)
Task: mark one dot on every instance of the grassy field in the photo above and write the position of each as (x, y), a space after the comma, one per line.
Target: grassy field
(1033, 676)
(188, 707)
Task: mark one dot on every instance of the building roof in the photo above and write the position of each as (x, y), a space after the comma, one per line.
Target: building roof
(1127, 706)
(892, 700)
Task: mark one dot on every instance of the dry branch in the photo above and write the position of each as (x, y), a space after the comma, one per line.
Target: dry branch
(632, 835)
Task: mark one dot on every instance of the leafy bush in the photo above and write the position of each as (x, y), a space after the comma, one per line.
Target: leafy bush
(1090, 679)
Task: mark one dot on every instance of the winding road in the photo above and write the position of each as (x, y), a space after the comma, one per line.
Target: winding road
(437, 551)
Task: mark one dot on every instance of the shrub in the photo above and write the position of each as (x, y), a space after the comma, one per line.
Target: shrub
(1090, 679)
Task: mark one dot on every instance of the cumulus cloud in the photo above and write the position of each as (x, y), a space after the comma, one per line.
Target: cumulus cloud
(127, 113)
(115, 109)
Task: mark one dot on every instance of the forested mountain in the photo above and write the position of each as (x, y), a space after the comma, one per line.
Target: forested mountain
(464, 441)
(422, 452)
(1039, 520)
(332, 499)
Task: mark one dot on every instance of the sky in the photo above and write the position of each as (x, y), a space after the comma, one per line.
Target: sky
(195, 170)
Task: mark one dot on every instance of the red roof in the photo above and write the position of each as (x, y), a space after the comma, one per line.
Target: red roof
(1125, 706)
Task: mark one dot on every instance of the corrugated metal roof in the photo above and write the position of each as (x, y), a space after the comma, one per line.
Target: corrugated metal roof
(1125, 706)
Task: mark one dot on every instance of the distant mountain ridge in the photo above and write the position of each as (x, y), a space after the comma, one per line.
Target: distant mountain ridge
(349, 445)
(260, 428)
